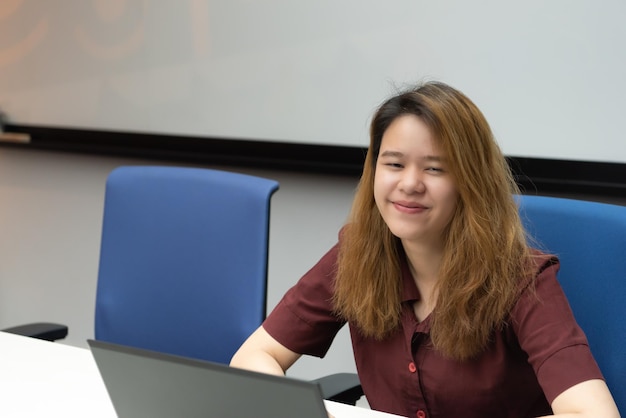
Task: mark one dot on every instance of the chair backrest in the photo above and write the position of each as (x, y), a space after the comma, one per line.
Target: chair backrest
(183, 260)
(590, 240)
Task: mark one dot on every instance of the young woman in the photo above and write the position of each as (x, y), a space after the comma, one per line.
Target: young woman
(451, 313)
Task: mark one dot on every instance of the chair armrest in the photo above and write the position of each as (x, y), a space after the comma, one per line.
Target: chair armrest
(41, 330)
(341, 387)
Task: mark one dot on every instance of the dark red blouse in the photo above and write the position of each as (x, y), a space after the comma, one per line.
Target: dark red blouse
(541, 352)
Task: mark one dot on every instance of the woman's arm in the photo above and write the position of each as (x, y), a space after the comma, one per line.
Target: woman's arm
(558, 350)
(587, 399)
(262, 353)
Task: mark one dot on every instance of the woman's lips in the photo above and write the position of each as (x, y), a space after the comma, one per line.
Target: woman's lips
(409, 207)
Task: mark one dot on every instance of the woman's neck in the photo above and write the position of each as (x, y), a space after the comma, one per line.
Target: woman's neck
(424, 262)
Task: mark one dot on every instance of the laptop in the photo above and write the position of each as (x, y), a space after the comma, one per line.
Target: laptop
(143, 383)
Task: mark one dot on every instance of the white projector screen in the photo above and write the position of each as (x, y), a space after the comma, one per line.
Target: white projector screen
(550, 75)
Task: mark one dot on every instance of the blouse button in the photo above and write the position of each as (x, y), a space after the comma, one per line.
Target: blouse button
(421, 414)
(412, 368)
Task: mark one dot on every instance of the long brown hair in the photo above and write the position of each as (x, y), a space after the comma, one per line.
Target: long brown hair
(486, 258)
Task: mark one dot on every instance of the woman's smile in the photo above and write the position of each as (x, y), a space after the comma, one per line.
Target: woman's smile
(409, 207)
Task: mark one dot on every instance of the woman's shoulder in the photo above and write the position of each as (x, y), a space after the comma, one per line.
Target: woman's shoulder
(542, 260)
(542, 284)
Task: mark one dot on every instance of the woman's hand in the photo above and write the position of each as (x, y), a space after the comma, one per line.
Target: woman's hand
(262, 353)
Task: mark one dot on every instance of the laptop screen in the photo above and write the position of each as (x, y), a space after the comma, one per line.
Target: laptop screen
(144, 383)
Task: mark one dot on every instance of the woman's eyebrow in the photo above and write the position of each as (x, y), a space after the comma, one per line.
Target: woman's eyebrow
(435, 158)
(399, 154)
(390, 153)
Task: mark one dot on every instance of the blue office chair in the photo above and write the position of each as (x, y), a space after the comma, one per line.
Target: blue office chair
(183, 260)
(590, 240)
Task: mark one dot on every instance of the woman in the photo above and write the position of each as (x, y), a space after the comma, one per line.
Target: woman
(451, 313)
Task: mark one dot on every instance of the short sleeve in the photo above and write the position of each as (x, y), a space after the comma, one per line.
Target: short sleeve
(303, 320)
(547, 331)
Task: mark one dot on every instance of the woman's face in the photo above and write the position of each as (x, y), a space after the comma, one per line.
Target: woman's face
(413, 189)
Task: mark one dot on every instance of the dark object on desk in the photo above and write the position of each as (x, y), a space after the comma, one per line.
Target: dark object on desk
(341, 387)
(144, 383)
(42, 330)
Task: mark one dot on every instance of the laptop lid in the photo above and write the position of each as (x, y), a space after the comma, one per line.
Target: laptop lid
(143, 383)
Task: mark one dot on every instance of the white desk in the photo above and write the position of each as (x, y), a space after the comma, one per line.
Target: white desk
(39, 378)
(44, 379)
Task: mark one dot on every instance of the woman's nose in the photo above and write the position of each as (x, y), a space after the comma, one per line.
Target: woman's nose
(412, 182)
